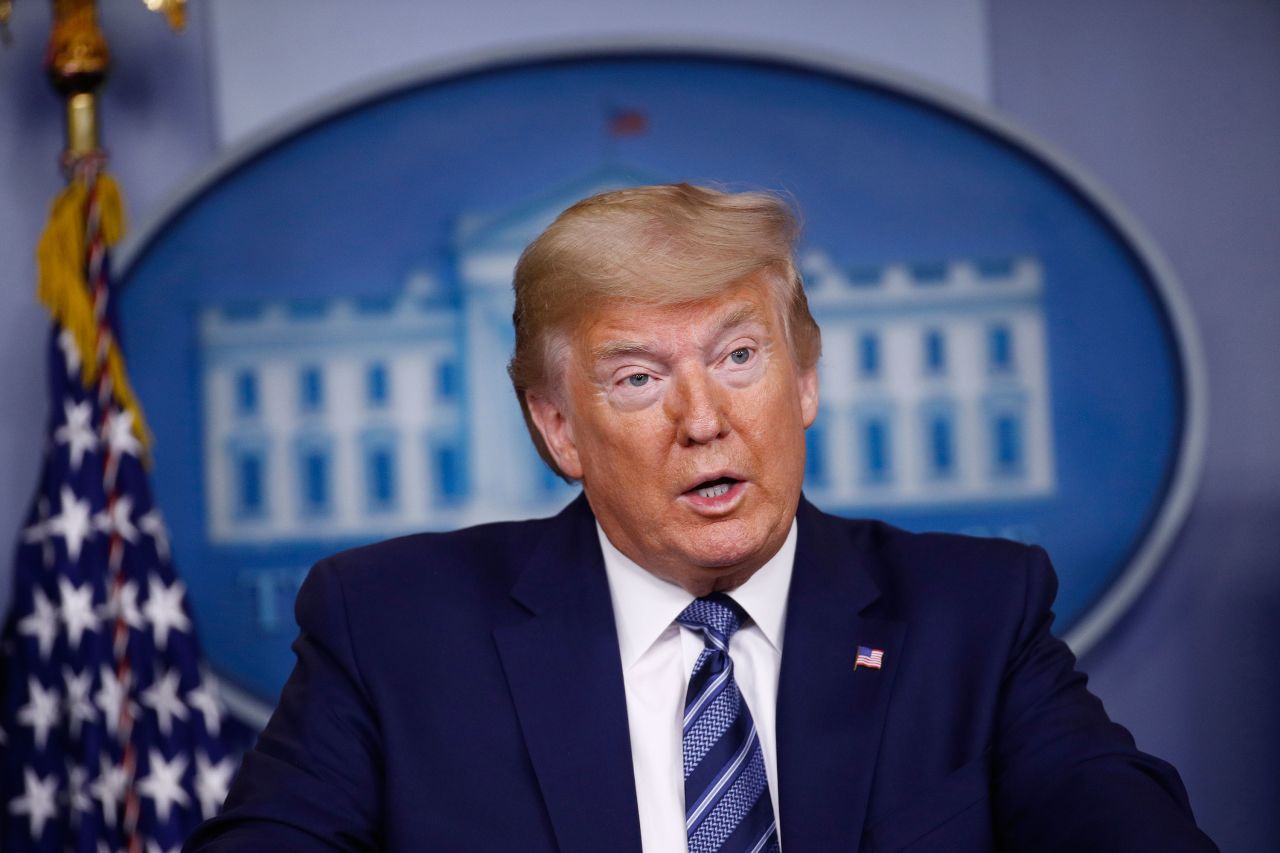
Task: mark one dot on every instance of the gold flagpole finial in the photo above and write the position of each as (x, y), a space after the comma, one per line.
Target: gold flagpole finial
(76, 62)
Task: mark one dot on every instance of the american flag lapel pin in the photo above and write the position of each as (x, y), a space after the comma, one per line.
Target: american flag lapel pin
(869, 657)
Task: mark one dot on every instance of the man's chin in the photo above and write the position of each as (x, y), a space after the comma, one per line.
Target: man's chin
(723, 556)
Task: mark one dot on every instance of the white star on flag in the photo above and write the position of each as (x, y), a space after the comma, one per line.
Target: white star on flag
(70, 352)
(117, 518)
(212, 782)
(77, 610)
(38, 800)
(71, 523)
(121, 441)
(41, 623)
(77, 432)
(123, 607)
(39, 532)
(163, 609)
(109, 698)
(108, 789)
(152, 524)
(40, 712)
(79, 708)
(163, 784)
(77, 797)
(162, 697)
(120, 437)
(204, 698)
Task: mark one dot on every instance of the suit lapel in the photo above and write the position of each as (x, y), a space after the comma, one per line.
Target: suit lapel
(565, 675)
(830, 716)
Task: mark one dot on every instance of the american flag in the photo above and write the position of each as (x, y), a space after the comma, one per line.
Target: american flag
(869, 657)
(110, 728)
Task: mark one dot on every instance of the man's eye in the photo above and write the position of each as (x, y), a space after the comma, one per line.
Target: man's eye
(636, 380)
(740, 356)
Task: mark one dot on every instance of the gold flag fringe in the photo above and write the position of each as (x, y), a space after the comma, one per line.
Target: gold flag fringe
(61, 257)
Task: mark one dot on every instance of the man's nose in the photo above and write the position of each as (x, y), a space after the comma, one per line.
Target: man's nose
(698, 408)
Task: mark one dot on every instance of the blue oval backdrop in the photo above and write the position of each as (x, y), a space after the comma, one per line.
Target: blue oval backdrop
(319, 332)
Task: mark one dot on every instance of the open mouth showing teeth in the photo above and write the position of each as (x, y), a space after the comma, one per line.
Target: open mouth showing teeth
(714, 488)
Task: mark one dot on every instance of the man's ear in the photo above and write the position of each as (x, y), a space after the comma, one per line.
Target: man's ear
(809, 395)
(552, 421)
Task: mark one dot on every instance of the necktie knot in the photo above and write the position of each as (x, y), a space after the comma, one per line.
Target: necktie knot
(716, 615)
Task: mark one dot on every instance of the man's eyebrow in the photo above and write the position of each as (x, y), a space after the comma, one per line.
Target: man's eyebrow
(739, 316)
(620, 349)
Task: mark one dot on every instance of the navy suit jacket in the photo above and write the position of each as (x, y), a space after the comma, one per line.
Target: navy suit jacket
(463, 691)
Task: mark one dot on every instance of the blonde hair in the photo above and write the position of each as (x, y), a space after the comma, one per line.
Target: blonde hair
(657, 245)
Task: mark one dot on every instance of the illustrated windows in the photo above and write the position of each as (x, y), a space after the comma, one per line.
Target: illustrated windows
(246, 392)
(935, 353)
(247, 462)
(447, 380)
(1000, 348)
(315, 476)
(310, 389)
(377, 385)
(380, 459)
(869, 355)
(875, 443)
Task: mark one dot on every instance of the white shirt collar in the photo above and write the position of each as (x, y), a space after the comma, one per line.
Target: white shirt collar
(645, 605)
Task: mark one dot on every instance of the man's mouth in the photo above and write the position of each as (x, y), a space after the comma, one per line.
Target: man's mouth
(714, 488)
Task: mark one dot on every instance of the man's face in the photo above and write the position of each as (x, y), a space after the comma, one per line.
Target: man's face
(686, 425)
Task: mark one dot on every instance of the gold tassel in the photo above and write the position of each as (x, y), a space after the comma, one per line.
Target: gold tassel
(61, 284)
(111, 207)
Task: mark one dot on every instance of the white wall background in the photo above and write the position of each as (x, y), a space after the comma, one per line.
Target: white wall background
(1174, 104)
(269, 59)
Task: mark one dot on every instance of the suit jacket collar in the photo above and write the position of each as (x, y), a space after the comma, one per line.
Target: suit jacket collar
(831, 715)
(565, 674)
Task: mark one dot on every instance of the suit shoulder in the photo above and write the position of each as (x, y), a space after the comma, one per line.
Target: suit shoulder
(482, 559)
(953, 552)
(494, 541)
(944, 570)
(956, 550)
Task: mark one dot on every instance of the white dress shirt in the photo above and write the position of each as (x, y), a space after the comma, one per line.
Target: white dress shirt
(658, 655)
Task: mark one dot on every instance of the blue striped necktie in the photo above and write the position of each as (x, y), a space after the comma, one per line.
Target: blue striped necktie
(726, 790)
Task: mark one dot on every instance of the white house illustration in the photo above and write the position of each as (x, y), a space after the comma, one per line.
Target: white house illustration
(360, 417)
(934, 383)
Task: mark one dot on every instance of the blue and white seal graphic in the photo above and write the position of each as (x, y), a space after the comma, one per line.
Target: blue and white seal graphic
(319, 330)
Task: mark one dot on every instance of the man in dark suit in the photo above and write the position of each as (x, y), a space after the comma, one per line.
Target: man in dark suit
(690, 656)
